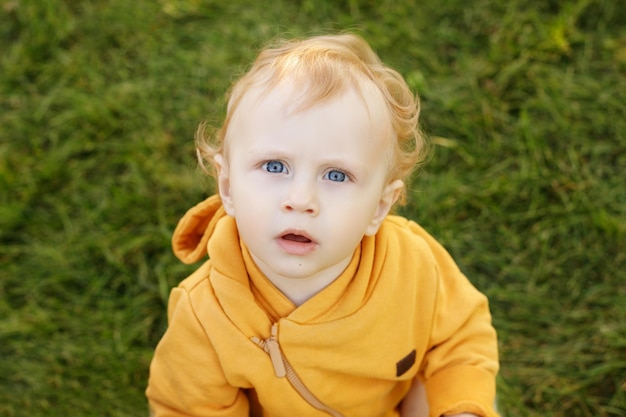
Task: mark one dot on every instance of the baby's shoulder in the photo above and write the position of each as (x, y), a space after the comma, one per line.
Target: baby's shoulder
(198, 279)
(407, 229)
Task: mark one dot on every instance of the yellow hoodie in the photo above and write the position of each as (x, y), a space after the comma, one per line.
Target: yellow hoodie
(401, 309)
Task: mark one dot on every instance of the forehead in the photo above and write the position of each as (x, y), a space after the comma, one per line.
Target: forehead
(291, 98)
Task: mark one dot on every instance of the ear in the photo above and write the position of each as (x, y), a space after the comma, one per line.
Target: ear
(223, 184)
(390, 195)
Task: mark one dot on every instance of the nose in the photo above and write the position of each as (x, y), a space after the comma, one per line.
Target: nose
(301, 198)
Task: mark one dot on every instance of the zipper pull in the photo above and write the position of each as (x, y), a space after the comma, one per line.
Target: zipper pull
(271, 346)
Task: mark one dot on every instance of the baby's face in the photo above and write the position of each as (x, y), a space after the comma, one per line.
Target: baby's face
(306, 186)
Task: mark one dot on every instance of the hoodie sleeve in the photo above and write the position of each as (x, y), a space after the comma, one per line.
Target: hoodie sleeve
(186, 378)
(461, 364)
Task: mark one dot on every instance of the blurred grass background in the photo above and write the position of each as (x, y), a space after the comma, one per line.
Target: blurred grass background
(524, 102)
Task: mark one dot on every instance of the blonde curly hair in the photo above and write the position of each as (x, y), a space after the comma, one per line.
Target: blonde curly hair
(324, 67)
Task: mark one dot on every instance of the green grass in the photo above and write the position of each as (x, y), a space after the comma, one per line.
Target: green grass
(524, 102)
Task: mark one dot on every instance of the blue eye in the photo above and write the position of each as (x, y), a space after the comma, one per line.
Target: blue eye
(336, 175)
(274, 167)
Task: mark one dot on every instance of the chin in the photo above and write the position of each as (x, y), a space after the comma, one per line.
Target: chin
(294, 273)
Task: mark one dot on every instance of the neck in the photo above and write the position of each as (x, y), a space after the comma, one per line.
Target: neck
(300, 290)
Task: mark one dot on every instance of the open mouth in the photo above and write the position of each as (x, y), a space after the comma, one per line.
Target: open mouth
(296, 243)
(296, 238)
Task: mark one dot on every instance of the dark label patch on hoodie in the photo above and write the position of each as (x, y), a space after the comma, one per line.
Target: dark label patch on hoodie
(405, 363)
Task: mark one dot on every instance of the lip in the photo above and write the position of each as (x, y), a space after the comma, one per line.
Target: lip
(296, 242)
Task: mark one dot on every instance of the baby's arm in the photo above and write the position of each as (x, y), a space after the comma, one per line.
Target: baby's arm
(186, 379)
(460, 367)
(461, 362)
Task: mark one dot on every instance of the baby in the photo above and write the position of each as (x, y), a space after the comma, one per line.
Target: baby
(315, 300)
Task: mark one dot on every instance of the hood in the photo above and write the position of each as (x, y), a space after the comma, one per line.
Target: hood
(192, 234)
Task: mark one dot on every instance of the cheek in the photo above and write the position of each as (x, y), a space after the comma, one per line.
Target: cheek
(360, 205)
(253, 204)
(246, 188)
(351, 218)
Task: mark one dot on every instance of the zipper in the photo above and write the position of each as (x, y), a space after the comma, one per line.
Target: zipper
(282, 368)
(270, 345)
